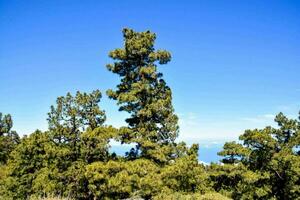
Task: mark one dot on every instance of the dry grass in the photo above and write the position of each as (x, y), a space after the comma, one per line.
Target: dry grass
(178, 196)
(50, 197)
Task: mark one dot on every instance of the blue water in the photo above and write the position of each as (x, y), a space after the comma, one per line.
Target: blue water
(207, 154)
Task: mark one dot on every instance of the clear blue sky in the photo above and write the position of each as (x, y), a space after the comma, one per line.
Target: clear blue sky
(235, 63)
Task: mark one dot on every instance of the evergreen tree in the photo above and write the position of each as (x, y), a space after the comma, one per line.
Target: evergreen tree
(54, 161)
(79, 137)
(74, 114)
(144, 94)
(8, 138)
(271, 156)
(234, 153)
(71, 116)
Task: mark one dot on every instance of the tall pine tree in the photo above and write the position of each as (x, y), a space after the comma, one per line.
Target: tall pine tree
(144, 94)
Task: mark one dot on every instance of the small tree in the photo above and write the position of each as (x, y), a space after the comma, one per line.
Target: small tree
(271, 156)
(8, 138)
(72, 115)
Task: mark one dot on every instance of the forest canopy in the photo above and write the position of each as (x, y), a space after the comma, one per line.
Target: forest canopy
(73, 158)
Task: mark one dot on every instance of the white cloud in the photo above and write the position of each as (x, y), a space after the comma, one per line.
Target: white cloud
(269, 116)
(204, 163)
(283, 108)
(289, 109)
(196, 129)
(189, 119)
(260, 118)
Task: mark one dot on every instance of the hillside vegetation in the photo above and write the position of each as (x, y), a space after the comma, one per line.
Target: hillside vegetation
(72, 159)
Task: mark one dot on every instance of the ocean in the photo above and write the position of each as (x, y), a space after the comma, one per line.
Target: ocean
(206, 154)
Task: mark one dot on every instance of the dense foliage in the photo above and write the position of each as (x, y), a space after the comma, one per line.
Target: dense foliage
(73, 157)
(266, 165)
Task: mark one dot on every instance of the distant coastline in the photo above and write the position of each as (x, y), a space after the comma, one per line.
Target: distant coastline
(207, 154)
